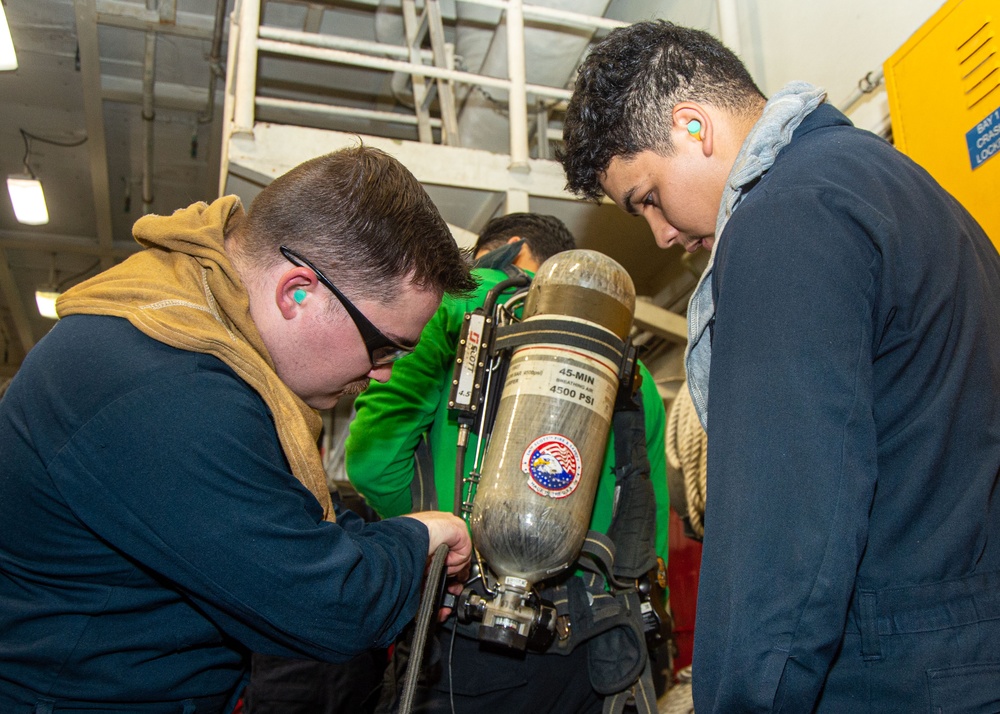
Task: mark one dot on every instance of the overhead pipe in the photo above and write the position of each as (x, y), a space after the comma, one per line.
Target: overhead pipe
(338, 111)
(214, 62)
(148, 115)
(866, 85)
(228, 101)
(115, 13)
(246, 67)
(335, 42)
(517, 98)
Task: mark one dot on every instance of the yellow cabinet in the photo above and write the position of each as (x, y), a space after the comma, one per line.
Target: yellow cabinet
(944, 98)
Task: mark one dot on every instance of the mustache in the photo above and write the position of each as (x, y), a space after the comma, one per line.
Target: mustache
(356, 387)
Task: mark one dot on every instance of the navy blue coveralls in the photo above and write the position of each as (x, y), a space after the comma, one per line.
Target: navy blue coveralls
(852, 542)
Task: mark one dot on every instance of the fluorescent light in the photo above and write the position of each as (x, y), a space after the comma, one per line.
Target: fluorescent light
(8, 60)
(46, 301)
(28, 200)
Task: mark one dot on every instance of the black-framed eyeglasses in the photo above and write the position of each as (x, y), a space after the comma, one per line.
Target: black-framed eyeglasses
(381, 349)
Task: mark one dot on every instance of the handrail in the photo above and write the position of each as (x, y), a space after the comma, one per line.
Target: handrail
(254, 38)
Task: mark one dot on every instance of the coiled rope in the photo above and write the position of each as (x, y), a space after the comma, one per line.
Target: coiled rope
(687, 451)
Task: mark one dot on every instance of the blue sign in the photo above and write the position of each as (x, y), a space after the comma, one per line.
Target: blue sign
(984, 139)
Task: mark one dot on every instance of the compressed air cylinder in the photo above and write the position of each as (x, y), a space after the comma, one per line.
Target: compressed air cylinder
(534, 501)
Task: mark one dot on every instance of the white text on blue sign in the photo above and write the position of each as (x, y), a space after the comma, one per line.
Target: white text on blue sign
(983, 139)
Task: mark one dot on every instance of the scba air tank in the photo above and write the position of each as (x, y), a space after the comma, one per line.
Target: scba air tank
(534, 501)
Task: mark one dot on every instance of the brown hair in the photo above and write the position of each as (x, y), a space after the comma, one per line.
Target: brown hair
(362, 218)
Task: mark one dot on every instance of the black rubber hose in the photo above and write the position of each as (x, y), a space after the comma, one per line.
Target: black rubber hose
(435, 578)
(463, 444)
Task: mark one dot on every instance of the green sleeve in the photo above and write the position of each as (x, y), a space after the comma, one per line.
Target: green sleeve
(391, 417)
(656, 446)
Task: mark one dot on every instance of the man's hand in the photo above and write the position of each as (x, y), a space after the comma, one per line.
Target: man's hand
(451, 530)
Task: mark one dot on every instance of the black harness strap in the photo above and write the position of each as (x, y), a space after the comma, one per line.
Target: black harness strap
(560, 332)
(633, 523)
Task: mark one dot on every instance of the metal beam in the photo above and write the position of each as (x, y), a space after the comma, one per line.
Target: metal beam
(444, 56)
(337, 42)
(54, 243)
(292, 111)
(276, 148)
(668, 325)
(168, 11)
(314, 18)
(416, 28)
(563, 17)
(245, 82)
(228, 103)
(90, 73)
(168, 95)
(14, 302)
(517, 96)
(517, 201)
(356, 59)
(486, 211)
(130, 16)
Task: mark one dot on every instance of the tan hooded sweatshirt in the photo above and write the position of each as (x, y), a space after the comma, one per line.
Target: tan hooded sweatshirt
(184, 292)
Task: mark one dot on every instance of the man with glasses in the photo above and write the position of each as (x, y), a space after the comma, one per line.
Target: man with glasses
(165, 507)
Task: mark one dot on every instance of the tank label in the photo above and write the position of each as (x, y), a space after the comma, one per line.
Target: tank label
(564, 375)
(552, 463)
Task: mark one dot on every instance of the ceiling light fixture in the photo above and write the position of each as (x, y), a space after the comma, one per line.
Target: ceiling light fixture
(28, 199)
(26, 195)
(45, 297)
(8, 58)
(46, 302)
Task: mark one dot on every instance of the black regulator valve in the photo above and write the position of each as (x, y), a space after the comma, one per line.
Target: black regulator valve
(528, 623)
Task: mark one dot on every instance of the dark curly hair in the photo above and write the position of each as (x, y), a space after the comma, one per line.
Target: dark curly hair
(628, 86)
(545, 235)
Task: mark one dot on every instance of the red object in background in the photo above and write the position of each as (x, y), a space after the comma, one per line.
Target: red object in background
(682, 576)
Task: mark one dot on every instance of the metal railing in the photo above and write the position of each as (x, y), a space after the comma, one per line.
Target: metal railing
(249, 39)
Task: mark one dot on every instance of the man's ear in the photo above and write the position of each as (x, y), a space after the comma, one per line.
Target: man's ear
(294, 290)
(692, 122)
(525, 259)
